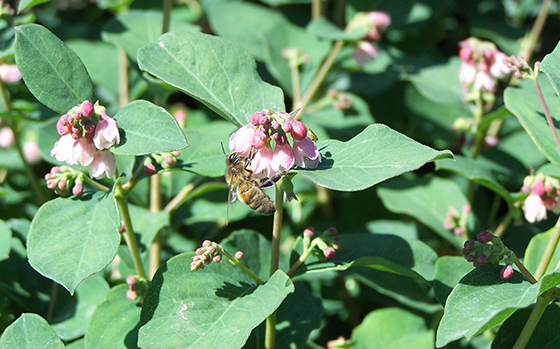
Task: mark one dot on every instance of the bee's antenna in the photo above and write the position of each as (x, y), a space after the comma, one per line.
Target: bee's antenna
(223, 150)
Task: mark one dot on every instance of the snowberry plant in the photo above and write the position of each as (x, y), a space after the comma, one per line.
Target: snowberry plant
(413, 203)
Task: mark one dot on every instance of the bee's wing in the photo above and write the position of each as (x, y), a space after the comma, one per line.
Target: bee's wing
(232, 195)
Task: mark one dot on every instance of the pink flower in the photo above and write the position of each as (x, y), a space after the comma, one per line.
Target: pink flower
(306, 153)
(467, 73)
(282, 158)
(7, 138)
(484, 81)
(72, 151)
(534, 208)
(379, 21)
(9, 73)
(364, 52)
(106, 133)
(262, 161)
(240, 141)
(499, 69)
(103, 162)
(31, 152)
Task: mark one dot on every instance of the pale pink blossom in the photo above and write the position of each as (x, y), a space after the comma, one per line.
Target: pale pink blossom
(534, 208)
(72, 151)
(467, 72)
(306, 153)
(103, 162)
(379, 21)
(364, 52)
(499, 69)
(9, 73)
(31, 152)
(240, 140)
(262, 162)
(106, 133)
(282, 158)
(484, 81)
(7, 138)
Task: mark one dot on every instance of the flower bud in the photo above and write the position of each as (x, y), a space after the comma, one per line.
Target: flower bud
(131, 295)
(239, 255)
(206, 243)
(217, 258)
(299, 130)
(62, 184)
(149, 169)
(131, 279)
(469, 258)
(480, 260)
(485, 236)
(469, 244)
(87, 108)
(506, 272)
(309, 231)
(329, 252)
(458, 231)
(78, 189)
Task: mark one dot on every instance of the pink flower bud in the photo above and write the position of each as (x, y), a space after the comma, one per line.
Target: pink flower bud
(458, 231)
(62, 184)
(480, 260)
(131, 295)
(485, 236)
(538, 187)
(63, 126)
(255, 118)
(217, 258)
(469, 258)
(287, 126)
(130, 279)
(469, 244)
(206, 243)
(329, 252)
(299, 130)
(239, 255)
(506, 272)
(309, 231)
(123, 228)
(51, 184)
(78, 189)
(9, 73)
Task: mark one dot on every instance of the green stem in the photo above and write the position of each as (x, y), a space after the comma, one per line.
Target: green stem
(315, 9)
(178, 199)
(300, 261)
(167, 4)
(536, 314)
(241, 266)
(524, 270)
(270, 334)
(94, 184)
(321, 74)
(499, 231)
(549, 251)
(547, 114)
(155, 206)
(528, 45)
(475, 149)
(123, 77)
(122, 203)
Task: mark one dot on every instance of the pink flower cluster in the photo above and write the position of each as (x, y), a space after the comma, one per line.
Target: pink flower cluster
(455, 221)
(267, 127)
(482, 65)
(373, 23)
(543, 194)
(86, 133)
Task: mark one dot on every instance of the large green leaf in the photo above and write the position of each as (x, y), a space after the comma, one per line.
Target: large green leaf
(114, 323)
(322, 28)
(53, 73)
(482, 295)
(147, 128)
(30, 331)
(213, 70)
(426, 199)
(440, 83)
(72, 314)
(219, 304)
(5, 240)
(73, 238)
(392, 328)
(376, 154)
(523, 101)
(449, 271)
(25, 4)
(137, 28)
(550, 66)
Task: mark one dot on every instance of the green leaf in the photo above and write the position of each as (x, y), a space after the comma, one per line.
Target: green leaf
(136, 28)
(479, 171)
(52, 72)
(219, 304)
(72, 314)
(214, 71)
(114, 323)
(73, 238)
(392, 328)
(376, 154)
(440, 83)
(389, 253)
(550, 66)
(25, 4)
(255, 247)
(30, 331)
(427, 200)
(544, 336)
(536, 249)
(147, 128)
(449, 271)
(407, 230)
(5, 240)
(147, 224)
(322, 28)
(482, 295)
(524, 103)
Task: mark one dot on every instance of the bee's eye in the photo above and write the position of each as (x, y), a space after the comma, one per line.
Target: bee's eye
(233, 158)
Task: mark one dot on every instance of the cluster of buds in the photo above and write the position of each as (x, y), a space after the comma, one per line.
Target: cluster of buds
(208, 253)
(488, 249)
(63, 178)
(455, 221)
(327, 243)
(543, 193)
(340, 100)
(137, 287)
(86, 135)
(373, 23)
(521, 69)
(165, 160)
(482, 65)
(255, 140)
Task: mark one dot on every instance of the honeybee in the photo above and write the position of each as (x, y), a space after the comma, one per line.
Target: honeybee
(243, 184)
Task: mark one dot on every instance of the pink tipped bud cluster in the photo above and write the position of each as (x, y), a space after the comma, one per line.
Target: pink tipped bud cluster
(164, 160)
(266, 139)
(543, 194)
(327, 243)
(482, 65)
(137, 287)
(208, 253)
(63, 179)
(373, 24)
(87, 133)
(521, 69)
(341, 101)
(457, 221)
(294, 57)
(488, 249)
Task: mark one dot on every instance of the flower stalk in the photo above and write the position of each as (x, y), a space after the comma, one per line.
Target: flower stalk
(549, 251)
